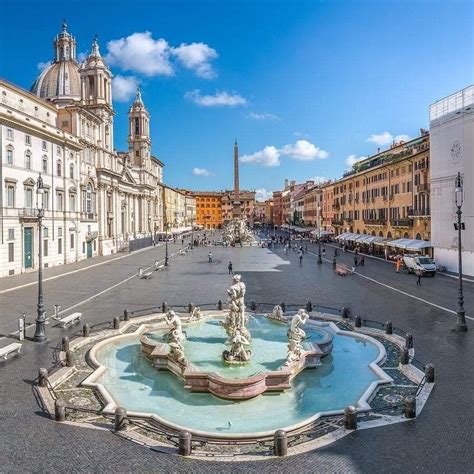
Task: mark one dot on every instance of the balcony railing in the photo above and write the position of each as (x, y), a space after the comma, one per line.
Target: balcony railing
(419, 213)
(421, 188)
(28, 213)
(375, 221)
(336, 222)
(402, 223)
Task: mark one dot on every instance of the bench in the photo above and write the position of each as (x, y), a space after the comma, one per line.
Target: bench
(144, 275)
(71, 319)
(7, 350)
(159, 267)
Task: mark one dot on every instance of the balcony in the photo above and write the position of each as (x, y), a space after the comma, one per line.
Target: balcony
(336, 222)
(28, 214)
(349, 220)
(336, 207)
(375, 222)
(402, 223)
(422, 188)
(419, 213)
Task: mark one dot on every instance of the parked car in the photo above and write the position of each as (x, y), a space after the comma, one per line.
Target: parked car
(414, 263)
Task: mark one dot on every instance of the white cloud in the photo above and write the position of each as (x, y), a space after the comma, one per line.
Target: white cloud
(269, 157)
(43, 65)
(202, 172)
(262, 194)
(139, 52)
(219, 99)
(304, 150)
(123, 87)
(196, 56)
(262, 116)
(386, 138)
(351, 160)
(81, 57)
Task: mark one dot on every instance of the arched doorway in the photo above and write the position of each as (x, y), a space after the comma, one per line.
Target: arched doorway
(389, 235)
(373, 233)
(365, 232)
(406, 236)
(418, 237)
(380, 234)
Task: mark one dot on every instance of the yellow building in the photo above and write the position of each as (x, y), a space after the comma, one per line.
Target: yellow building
(387, 194)
(208, 209)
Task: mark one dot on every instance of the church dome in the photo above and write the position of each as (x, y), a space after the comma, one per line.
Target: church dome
(60, 81)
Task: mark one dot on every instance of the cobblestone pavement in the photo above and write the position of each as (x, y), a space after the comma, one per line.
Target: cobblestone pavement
(439, 440)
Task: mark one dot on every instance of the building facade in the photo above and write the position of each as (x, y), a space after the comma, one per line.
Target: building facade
(277, 208)
(247, 205)
(208, 209)
(452, 150)
(312, 207)
(103, 197)
(386, 195)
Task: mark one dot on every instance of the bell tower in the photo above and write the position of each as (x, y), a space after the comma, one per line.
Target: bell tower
(64, 45)
(139, 143)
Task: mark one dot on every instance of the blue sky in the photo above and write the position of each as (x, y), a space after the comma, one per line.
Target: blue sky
(302, 85)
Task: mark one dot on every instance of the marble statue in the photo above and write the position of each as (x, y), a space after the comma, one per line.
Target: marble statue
(236, 231)
(296, 336)
(277, 314)
(177, 353)
(176, 327)
(196, 314)
(235, 322)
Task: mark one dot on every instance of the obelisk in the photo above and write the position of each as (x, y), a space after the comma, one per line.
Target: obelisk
(236, 201)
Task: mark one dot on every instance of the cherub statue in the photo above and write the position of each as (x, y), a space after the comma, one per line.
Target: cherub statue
(298, 319)
(196, 314)
(237, 351)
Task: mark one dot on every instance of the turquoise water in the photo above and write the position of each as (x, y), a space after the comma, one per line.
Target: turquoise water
(137, 386)
(205, 342)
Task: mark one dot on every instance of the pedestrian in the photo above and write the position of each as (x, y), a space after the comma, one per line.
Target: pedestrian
(386, 253)
(355, 260)
(334, 262)
(209, 255)
(300, 255)
(398, 265)
(229, 267)
(362, 261)
(335, 253)
(418, 279)
(305, 247)
(324, 250)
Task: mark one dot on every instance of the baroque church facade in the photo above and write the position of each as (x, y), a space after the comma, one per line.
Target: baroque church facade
(96, 199)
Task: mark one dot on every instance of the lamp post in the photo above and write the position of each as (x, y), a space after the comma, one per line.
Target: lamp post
(192, 229)
(459, 198)
(166, 244)
(40, 332)
(320, 260)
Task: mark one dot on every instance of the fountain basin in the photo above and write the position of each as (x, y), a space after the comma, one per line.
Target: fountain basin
(229, 383)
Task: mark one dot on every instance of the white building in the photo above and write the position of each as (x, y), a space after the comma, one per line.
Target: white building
(97, 199)
(452, 151)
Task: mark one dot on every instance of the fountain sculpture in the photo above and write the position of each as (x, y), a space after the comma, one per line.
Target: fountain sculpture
(237, 232)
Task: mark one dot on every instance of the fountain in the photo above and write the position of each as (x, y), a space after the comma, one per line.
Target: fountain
(237, 232)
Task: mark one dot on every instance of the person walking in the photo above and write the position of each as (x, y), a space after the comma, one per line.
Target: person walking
(209, 255)
(418, 279)
(229, 267)
(355, 260)
(334, 262)
(398, 265)
(300, 255)
(362, 260)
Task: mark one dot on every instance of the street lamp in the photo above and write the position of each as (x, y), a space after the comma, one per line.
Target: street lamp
(40, 332)
(192, 229)
(459, 198)
(166, 244)
(320, 260)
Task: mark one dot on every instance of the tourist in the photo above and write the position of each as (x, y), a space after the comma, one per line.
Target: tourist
(334, 262)
(209, 255)
(362, 261)
(229, 267)
(324, 250)
(398, 264)
(300, 255)
(355, 260)
(418, 279)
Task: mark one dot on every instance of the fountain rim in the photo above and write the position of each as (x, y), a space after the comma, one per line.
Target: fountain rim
(111, 405)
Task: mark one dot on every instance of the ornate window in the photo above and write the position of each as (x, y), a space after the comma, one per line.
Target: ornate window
(71, 170)
(44, 166)
(59, 168)
(9, 155)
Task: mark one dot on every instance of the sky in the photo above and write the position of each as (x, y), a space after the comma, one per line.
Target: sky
(306, 87)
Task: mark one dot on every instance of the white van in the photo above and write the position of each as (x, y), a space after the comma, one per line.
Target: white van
(414, 263)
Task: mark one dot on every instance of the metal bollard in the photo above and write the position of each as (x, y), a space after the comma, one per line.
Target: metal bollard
(350, 420)
(357, 322)
(126, 315)
(43, 377)
(410, 407)
(220, 306)
(404, 356)
(69, 362)
(86, 330)
(388, 327)
(309, 306)
(59, 410)
(184, 445)
(65, 344)
(190, 307)
(345, 312)
(116, 323)
(409, 340)
(429, 373)
(253, 305)
(283, 307)
(120, 422)
(280, 443)
(164, 307)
